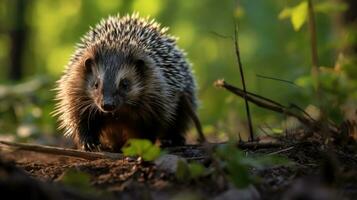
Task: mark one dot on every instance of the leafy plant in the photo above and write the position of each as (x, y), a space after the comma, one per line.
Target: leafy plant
(326, 82)
(142, 148)
(236, 164)
(232, 162)
(332, 81)
(24, 108)
(189, 171)
(77, 179)
(298, 14)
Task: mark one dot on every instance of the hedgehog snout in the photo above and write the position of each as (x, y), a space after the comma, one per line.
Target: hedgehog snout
(108, 105)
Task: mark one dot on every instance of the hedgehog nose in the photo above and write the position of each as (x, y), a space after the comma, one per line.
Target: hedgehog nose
(108, 106)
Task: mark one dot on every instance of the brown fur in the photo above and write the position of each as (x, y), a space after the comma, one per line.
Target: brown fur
(115, 134)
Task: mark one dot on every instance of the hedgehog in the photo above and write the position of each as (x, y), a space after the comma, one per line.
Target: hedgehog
(127, 79)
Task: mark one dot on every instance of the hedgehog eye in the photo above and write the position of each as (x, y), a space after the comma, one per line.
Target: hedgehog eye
(96, 84)
(124, 84)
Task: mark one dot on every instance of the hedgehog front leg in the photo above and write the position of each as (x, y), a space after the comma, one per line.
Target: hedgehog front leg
(88, 135)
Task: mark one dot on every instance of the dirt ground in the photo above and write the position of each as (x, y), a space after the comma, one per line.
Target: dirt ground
(317, 173)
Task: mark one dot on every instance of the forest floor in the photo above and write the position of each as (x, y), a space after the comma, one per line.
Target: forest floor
(317, 172)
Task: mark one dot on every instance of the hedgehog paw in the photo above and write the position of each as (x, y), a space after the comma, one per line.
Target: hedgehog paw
(91, 146)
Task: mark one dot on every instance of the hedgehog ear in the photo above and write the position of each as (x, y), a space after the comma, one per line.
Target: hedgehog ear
(141, 66)
(88, 64)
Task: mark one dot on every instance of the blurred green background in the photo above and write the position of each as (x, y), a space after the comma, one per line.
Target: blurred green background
(37, 38)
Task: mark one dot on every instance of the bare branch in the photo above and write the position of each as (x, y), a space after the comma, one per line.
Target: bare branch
(251, 136)
(262, 102)
(62, 151)
(277, 79)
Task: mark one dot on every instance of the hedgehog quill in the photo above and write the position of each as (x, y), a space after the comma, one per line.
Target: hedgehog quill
(126, 79)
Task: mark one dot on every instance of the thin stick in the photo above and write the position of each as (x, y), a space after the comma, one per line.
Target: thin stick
(281, 151)
(62, 151)
(265, 99)
(251, 136)
(264, 104)
(220, 35)
(274, 106)
(315, 65)
(313, 42)
(244, 145)
(115, 156)
(257, 145)
(314, 54)
(301, 110)
(276, 79)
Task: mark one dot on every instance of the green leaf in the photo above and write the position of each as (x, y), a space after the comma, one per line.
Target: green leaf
(299, 15)
(285, 13)
(278, 130)
(152, 153)
(237, 164)
(182, 171)
(274, 160)
(304, 81)
(239, 174)
(237, 170)
(188, 171)
(143, 148)
(77, 179)
(196, 170)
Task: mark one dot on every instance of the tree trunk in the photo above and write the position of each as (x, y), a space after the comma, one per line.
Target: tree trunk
(18, 35)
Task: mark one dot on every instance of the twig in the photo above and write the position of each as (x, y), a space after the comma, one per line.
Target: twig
(277, 79)
(244, 145)
(198, 158)
(220, 35)
(251, 136)
(315, 59)
(281, 151)
(261, 102)
(115, 156)
(301, 110)
(313, 42)
(315, 66)
(62, 151)
(258, 145)
(266, 99)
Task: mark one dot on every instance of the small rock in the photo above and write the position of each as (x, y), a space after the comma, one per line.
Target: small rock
(168, 162)
(249, 193)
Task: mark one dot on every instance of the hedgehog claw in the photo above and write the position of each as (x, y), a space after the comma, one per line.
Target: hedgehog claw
(91, 146)
(98, 147)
